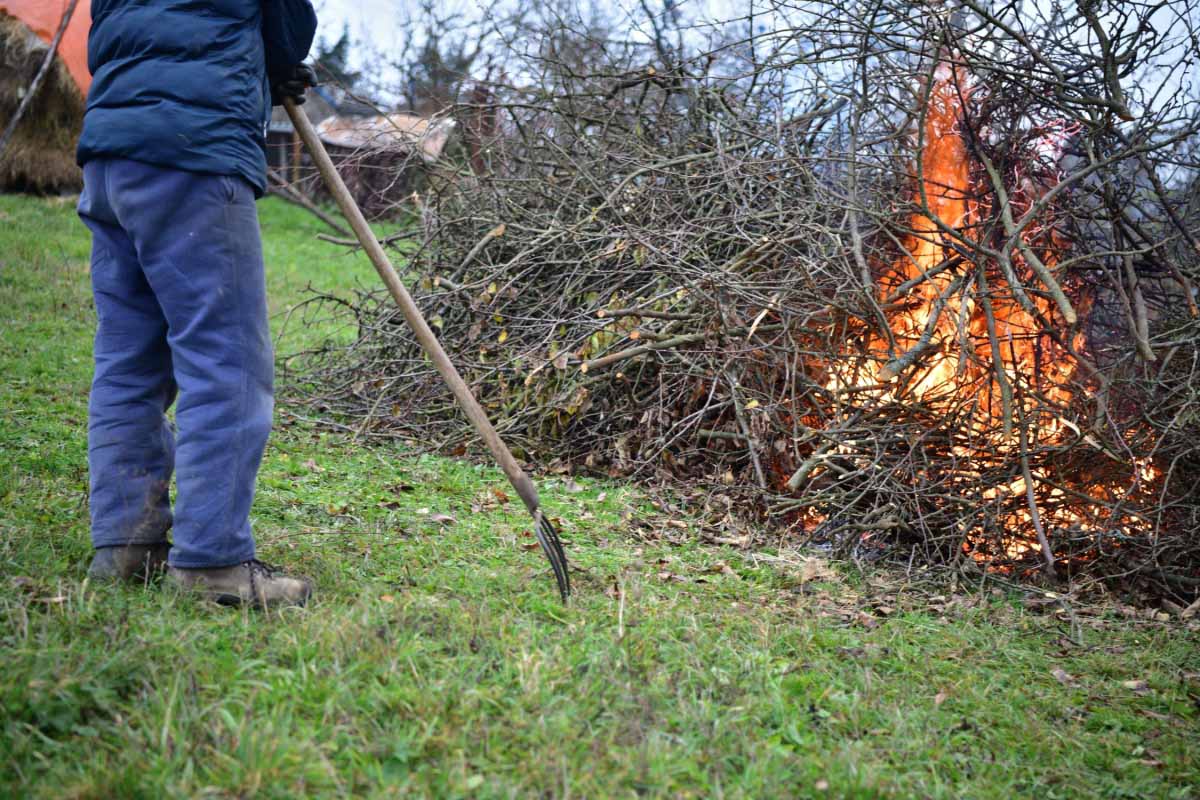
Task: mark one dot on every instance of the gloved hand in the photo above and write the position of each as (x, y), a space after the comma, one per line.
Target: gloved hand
(293, 84)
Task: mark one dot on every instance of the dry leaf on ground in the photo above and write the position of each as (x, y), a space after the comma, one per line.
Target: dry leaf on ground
(1062, 676)
(816, 569)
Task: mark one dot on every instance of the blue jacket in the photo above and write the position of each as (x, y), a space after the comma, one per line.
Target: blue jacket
(185, 83)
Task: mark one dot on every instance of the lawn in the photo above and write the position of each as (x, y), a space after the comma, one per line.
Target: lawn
(436, 660)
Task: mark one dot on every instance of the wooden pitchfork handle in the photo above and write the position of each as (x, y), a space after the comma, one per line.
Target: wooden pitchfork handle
(547, 536)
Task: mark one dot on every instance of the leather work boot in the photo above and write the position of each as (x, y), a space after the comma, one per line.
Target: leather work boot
(131, 562)
(251, 582)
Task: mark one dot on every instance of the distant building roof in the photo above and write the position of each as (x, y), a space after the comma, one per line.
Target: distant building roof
(349, 106)
(387, 132)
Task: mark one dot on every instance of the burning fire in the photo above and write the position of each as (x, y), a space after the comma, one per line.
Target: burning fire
(995, 362)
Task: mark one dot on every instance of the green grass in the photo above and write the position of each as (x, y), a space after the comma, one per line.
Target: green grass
(437, 662)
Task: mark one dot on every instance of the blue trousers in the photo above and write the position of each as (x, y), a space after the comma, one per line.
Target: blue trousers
(177, 275)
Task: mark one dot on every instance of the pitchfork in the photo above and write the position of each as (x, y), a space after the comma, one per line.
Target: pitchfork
(546, 535)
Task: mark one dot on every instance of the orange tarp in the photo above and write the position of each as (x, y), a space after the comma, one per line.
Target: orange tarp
(43, 17)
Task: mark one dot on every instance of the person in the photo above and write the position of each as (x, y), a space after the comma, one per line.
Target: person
(173, 156)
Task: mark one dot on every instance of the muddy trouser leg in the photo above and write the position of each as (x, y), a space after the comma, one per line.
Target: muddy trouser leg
(197, 242)
(131, 445)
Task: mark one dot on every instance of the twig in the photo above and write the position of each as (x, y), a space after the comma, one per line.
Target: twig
(1014, 237)
(893, 368)
(740, 413)
(1027, 474)
(666, 344)
(391, 238)
(494, 233)
(606, 313)
(277, 186)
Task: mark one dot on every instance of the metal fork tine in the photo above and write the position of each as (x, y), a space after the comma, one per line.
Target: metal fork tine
(558, 560)
(552, 546)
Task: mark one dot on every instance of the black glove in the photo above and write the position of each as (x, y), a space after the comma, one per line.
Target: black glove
(292, 84)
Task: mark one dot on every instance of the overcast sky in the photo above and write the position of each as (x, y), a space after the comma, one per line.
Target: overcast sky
(368, 19)
(374, 27)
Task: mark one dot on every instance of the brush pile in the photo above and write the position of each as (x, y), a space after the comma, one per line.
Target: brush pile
(897, 295)
(40, 158)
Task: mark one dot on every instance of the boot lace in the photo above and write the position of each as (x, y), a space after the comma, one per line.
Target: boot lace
(257, 567)
(260, 570)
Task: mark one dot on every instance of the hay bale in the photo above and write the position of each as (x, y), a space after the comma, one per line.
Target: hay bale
(40, 158)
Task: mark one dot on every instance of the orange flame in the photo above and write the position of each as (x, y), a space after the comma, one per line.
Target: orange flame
(963, 348)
